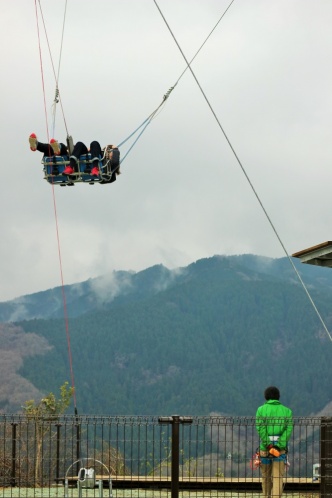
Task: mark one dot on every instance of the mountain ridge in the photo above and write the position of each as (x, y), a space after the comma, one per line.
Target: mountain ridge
(120, 285)
(204, 338)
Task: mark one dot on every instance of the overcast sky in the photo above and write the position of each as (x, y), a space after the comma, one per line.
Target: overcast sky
(182, 196)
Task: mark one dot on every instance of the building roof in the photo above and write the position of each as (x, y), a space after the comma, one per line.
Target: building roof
(320, 255)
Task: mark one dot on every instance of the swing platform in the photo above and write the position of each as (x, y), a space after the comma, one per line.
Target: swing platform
(319, 255)
(55, 165)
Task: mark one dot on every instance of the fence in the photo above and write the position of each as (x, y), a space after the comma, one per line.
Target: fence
(153, 456)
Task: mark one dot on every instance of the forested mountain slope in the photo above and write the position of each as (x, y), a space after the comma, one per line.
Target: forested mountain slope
(124, 286)
(206, 338)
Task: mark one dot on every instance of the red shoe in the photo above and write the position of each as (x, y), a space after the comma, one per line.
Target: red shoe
(33, 142)
(68, 170)
(55, 146)
(95, 171)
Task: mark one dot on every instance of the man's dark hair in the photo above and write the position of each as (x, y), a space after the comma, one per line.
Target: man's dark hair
(271, 392)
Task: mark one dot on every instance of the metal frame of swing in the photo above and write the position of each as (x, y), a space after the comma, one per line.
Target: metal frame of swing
(54, 166)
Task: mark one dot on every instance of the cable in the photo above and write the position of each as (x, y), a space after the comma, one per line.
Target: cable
(61, 45)
(246, 175)
(57, 93)
(147, 121)
(56, 76)
(206, 39)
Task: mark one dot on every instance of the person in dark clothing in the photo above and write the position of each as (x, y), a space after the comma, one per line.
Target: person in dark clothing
(79, 149)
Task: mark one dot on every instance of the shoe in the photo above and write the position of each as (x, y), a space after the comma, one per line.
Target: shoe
(33, 142)
(68, 170)
(95, 171)
(55, 146)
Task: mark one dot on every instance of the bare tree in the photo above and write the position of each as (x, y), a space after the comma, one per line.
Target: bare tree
(43, 413)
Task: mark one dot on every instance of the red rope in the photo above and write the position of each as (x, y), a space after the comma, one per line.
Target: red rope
(57, 228)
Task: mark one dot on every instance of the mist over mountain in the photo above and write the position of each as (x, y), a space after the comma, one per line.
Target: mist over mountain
(205, 338)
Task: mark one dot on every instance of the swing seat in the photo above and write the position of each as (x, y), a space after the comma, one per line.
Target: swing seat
(84, 163)
(53, 168)
(55, 165)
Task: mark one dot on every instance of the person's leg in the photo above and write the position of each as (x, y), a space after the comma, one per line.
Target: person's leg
(96, 153)
(278, 471)
(63, 150)
(95, 150)
(266, 470)
(79, 149)
(49, 150)
(46, 149)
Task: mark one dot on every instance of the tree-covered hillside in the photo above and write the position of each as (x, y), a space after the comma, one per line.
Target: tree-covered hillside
(208, 338)
(123, 286)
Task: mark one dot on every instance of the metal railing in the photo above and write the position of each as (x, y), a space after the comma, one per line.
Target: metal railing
(154, 456)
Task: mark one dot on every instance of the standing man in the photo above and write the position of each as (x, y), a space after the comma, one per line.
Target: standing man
(274, 424)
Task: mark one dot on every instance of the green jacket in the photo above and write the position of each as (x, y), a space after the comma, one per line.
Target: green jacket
(274, 419)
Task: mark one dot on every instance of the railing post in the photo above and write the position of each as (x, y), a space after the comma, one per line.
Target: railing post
(175, 456)
(78, 448)
(175, 420)
(57, 470)
(326, 457)
(13, 471)
(78, 441)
